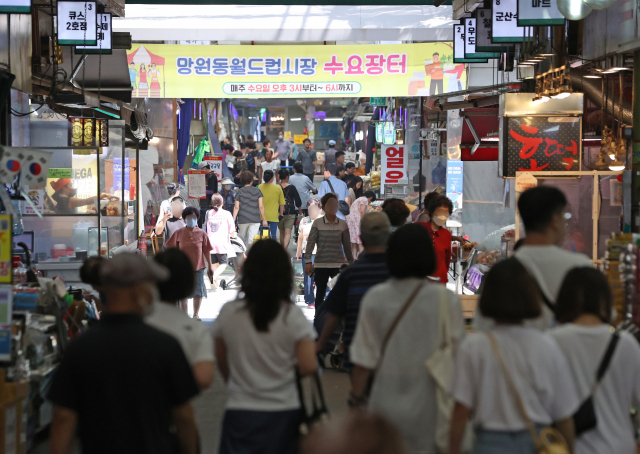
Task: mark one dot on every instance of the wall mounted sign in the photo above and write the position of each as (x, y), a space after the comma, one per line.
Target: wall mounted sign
(77, 23)
(471, 40)
(539, 12)
(104, 37)
(458, 47)
(540, 143)
(88, 132)
(504, 22)
(15, 6)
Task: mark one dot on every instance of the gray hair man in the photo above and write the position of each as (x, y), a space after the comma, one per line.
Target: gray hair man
(370, 269)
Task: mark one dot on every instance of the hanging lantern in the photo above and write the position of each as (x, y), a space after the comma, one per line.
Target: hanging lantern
(574, 9)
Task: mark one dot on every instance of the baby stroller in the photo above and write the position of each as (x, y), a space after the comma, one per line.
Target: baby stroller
(235, 263)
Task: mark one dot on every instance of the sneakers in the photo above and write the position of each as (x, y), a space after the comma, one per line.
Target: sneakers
(195, 317)
(311, 306)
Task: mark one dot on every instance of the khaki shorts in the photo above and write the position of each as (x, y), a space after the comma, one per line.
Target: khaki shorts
(287, 222)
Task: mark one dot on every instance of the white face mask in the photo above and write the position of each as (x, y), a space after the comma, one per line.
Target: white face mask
(440, 220)
(227, 186)
(280, 137)
(146, 299)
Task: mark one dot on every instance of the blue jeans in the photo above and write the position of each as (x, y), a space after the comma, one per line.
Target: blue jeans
(309, 295)
(273, 229)
(503, 442)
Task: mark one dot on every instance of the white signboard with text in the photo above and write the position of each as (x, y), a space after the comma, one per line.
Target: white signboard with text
(104, 37)
(395, 163)
(197, 184)
(77, 23)
(215, 163)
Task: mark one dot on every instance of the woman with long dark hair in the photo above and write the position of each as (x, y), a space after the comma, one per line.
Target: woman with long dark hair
(355, 188)
(260, 340)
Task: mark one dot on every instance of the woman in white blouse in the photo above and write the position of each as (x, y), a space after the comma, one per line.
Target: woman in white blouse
(534, 361)
(584, 309)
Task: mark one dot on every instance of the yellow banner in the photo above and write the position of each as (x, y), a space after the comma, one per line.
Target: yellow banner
(176, 71)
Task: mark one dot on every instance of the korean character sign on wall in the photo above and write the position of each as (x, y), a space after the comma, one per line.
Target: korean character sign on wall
(77, 23)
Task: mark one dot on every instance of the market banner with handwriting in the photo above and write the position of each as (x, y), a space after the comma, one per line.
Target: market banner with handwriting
(177, 71)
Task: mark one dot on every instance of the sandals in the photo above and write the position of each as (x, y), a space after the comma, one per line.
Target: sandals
(195, 317)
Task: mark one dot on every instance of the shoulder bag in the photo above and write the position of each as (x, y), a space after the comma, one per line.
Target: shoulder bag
(319, 412)
(440, 365)
(343, 206)
(549, 441)
(585, 418)
(393, 327)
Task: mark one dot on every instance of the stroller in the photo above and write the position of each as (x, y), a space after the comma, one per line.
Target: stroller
(235, 263)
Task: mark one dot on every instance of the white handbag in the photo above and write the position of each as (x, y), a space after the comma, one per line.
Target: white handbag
(440, 366)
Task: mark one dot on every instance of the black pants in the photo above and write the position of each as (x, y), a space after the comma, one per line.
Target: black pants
(321, 278)
(310, 176)
(203, 214)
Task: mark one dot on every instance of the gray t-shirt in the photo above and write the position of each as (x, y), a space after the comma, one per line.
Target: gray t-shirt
(171, 226)
(329, 157)
(307, 158)
(249, 212)
(282, 147)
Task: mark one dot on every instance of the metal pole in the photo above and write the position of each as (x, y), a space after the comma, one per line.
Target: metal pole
(635, 174)
(421, 107)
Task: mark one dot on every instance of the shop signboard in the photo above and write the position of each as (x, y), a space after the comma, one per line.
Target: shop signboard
(455, 178)
(541, 143)
(471, 40)
(215, 163)
(433, 145)
(484, 42)
(385, 133)
(5, 249)
(197, 184)
(37, 199)
(15, 6)
(539, 12)
(458, 47)
(298, 139)
(177, 71)
(378, 101)
(504, 22)
(395, 163)
(104, 38)
(287, 135)
(77, 23)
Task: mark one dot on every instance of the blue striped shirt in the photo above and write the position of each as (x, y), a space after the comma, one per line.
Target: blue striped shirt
(356, 280)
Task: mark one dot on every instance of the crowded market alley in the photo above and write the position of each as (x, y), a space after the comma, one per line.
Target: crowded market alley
(291, 228)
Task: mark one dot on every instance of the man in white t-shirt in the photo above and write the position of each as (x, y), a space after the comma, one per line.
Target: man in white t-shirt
(543, 213)
(193, 335)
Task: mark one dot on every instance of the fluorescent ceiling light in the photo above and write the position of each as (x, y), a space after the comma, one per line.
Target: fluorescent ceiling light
(592, 76)
(296, 119)
(490, 139)
(333, 119)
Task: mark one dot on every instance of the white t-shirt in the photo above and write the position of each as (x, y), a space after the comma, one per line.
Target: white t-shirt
(548, 265)
(539, 371)
(404, 391)
(273, 166)
(262, 365)
(195, 339)
(619, 390)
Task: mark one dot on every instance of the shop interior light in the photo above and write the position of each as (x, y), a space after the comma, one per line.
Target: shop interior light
(333, 119)
(154, 140)
(295, 119)
(491, 139)
(593, 76)
(617, 166)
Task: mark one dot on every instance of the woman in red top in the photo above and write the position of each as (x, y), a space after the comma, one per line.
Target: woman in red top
(439, 209)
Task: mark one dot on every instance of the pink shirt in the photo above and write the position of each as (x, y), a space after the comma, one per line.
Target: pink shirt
(195, 244)
(220, 226)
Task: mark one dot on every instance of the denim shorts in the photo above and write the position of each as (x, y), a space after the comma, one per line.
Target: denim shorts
(201, 289)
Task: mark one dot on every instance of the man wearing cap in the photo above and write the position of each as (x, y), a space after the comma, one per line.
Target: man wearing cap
(212, 187)
(370, 269)
(308, 159)
(228, 194)
(330, 154)
(332, 183)
(64, 194)
(123, 384)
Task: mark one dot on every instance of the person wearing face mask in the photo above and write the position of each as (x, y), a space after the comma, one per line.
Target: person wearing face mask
(194, 242)
(228, 194)
(308, 159)
(439, 209)
(64, 194)
(283, 150)
(172, 219)
(145, 415)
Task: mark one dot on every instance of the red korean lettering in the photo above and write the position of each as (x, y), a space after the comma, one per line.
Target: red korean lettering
(573, 148)
(375, 64)
(397, 63)
(354, 65)
(530, 146)
(334, 66)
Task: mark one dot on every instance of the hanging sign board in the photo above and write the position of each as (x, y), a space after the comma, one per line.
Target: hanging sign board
(395, 161)
(6, 244)
(299, 138)
(197, 184)
(77, 23)
(458, 47)
(104, 38)
(504, 22)
(471, 39)
(483, 38)
(215, 162)
(539, 12)
(378, 101)
(455, 177)
(15, 6)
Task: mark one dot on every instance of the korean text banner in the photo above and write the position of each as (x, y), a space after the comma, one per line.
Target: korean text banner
(176, 71)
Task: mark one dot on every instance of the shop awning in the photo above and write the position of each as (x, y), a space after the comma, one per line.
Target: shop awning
(485, 124)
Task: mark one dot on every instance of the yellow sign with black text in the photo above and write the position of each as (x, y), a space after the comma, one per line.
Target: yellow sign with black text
(177, 71)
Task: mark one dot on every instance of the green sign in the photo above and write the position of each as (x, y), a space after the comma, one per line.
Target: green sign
(378, 101)
(59, 173)
(385, 133)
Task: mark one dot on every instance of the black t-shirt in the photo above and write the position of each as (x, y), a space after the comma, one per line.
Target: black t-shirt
(212, 188)
(123, 378)
(62, 204)
(171, 226)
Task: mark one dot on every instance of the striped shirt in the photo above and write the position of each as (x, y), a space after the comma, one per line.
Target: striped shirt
(344, 299)
(249, 212)
(333, 242)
